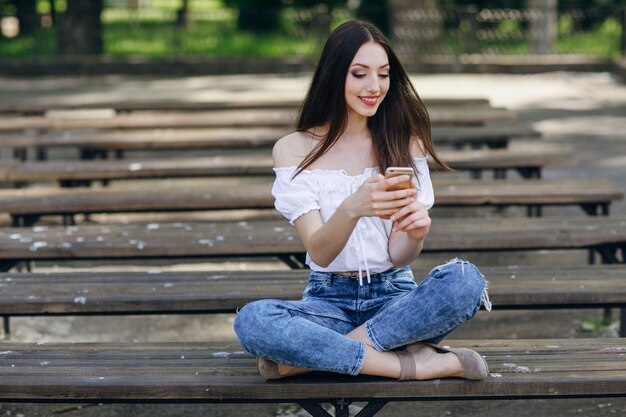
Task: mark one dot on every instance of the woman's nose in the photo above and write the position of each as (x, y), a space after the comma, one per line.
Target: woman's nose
(373, 85)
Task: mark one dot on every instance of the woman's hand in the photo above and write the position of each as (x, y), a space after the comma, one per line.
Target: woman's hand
(373, 199)
(413, 219)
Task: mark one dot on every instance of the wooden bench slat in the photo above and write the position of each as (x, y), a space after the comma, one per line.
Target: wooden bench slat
(215, 292)
(276, 238)
(257, 162)
(278, 117)
(207, 372)
(254, 193)
(233, 137)
(240, 104)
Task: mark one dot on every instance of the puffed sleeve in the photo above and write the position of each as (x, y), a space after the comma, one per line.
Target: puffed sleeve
(294, 197)
(425, 192)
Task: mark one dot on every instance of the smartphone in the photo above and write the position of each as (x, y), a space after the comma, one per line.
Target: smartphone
(394, 172)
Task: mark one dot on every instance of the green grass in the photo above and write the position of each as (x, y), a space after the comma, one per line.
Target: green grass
(211, 31)
(214, 35)
(604, 41)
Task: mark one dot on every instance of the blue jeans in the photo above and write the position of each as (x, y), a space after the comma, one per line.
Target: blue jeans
(395, 310)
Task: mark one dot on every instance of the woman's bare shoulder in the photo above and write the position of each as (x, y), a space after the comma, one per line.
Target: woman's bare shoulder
(418, 150)
(291, 149)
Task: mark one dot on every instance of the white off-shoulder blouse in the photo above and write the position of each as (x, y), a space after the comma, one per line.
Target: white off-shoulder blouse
(324, 190)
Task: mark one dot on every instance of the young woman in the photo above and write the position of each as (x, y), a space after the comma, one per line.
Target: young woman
(362, 311)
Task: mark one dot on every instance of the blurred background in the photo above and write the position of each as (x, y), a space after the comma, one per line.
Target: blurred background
(420, 29)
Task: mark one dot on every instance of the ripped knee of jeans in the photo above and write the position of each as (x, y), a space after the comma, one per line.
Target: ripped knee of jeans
(467, 267)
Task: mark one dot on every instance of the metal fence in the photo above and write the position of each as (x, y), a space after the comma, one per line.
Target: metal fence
(470, 30)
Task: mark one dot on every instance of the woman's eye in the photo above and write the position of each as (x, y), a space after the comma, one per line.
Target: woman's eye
(359, 75)
(383, 75)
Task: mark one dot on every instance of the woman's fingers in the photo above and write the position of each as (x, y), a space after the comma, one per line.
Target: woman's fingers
(410, 223)
(393, 204)
(412, 207)
(410, 217)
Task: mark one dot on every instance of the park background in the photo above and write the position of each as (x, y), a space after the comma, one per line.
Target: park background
(559, 65)
(40, 37)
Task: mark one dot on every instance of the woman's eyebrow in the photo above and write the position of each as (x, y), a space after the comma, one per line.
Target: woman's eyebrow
(367, 66)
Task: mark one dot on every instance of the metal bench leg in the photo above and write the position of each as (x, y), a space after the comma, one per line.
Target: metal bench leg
(314, 409)
(7, 326)
(293, 261)
(371, 408)
(42, 153)
(26, 220)
(16, 221)
(598, 209)
(342, 408)
(499, 174)
(5, 266)
(20, 154)
(534, 210)
(21, 266)
(68, 220)
(476, 174)
(529, 173)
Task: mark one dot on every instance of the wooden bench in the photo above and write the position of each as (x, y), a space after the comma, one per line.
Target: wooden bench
(278, 117)
(36, 108)
(223, 373)
(26, 206)
(276, 238)
(528, 161)
(162, 292)
(96, 143)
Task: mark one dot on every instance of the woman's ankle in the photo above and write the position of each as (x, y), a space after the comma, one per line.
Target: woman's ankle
(430, 364)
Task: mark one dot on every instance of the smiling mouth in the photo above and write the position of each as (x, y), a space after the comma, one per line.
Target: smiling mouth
(369, 101)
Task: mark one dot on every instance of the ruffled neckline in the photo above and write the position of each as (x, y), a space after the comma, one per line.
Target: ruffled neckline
(366, 170)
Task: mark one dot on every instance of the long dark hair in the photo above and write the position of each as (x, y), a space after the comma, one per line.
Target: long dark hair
(400, 115)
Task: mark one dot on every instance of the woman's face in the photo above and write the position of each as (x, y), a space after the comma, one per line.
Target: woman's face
(367, 81)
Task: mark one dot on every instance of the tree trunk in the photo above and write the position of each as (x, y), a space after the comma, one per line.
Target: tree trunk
(79, 29)
(181, 14)
(53, 11)
(27, 16)
(259, 16)
(377, 12)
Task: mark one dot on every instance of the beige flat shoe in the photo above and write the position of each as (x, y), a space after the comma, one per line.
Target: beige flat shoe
(473, 364)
